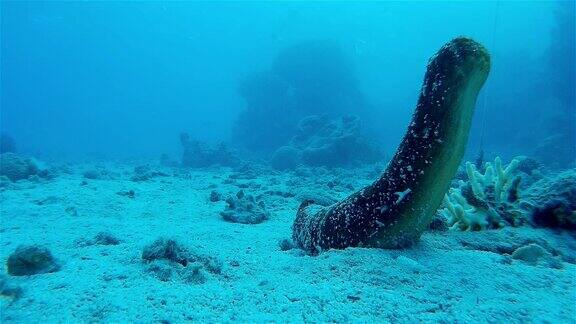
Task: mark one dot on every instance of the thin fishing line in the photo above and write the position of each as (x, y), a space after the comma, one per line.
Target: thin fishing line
(485, 103)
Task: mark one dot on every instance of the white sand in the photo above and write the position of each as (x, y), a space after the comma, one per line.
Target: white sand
(440, 279)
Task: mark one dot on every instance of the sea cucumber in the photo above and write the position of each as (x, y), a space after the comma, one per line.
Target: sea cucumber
(425, 163)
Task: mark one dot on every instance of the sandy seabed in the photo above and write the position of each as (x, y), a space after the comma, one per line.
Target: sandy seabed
(449, 276)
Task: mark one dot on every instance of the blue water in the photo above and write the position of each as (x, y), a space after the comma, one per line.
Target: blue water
(185, 103)
(124, 78)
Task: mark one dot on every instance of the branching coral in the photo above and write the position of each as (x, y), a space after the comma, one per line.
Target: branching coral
(485, 201)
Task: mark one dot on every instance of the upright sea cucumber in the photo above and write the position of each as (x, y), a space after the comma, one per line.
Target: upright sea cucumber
(395, 210)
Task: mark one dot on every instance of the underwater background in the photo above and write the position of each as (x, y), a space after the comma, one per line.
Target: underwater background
(125, 78)
(154, 155)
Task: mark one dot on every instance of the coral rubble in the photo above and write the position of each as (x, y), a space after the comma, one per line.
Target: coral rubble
(31, 260)
(285, 158)
(244, 209)
(166, 258)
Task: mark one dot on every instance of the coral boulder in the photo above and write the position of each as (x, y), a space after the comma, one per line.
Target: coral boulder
(31, 260)
(16, 167)
(321, 141)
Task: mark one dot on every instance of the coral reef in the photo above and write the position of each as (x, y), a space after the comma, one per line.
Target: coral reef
(31, 260)
(528, 165)
(500, 197)
(393, 211)
(285, 158)
(314, 77)
(530, 170)
(320, 141)
(485, 201)
(244, 209)
(16, 167)
(7, 144)
(197, 154)
(553, 201)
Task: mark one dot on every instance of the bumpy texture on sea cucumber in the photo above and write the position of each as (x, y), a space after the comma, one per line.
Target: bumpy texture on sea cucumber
(395, 210)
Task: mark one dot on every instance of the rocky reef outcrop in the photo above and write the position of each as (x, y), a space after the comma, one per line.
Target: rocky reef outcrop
(321, 141)
(16, 167)
(553, 201)
(315, 77)
(244, 208)
(196, 154)
(286, 158)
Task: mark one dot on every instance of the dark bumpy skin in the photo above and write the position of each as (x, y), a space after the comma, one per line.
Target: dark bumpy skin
(395, 210)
